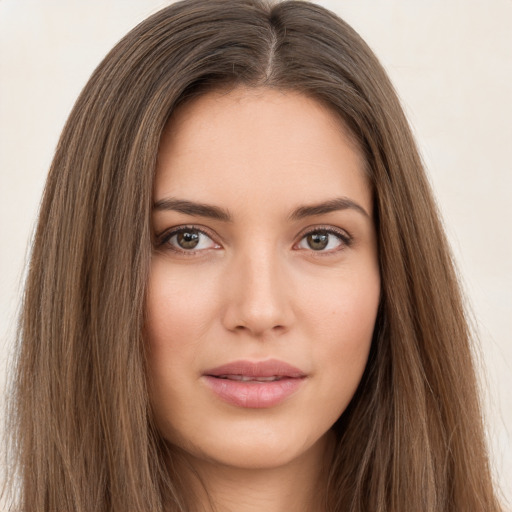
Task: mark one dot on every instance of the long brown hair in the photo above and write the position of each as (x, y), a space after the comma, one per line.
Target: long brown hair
(81, 424)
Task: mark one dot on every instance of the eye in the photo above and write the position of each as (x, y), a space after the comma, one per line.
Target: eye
(187, 239)
(324, 240)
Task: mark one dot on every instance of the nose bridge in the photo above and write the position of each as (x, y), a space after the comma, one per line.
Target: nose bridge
(258, 300)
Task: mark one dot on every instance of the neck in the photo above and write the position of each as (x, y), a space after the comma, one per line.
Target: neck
(298, 485)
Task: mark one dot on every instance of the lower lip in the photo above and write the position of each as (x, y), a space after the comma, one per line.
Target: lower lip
(253, 394)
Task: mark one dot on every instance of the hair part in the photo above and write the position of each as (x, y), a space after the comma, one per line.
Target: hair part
(82, 428)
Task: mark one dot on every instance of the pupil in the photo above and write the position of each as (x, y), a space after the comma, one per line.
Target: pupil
(318, 241)
(188, 239)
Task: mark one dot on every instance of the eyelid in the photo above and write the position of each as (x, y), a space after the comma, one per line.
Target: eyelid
(344, 236)
(164, 236)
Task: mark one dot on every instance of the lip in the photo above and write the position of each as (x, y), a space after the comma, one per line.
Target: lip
(249, 392)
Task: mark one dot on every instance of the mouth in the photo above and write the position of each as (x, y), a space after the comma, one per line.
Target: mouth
(246, 378)
(254, 385)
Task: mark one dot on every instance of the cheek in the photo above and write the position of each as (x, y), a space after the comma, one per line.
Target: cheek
(344, 320)
(178, 308)
(345, 307)
(177, 318)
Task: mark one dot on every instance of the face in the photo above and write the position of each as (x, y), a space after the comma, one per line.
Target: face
(264, 282)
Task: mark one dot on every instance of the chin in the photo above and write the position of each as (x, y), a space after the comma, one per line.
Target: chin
(255, 448)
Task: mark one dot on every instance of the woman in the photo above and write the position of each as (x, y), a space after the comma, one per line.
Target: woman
(240, 296)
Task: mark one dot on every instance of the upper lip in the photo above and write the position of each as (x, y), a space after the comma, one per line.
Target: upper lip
(268, 368)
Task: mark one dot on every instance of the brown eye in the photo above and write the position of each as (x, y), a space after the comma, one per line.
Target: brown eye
(318, 241)
(187, 239)
(325, 240)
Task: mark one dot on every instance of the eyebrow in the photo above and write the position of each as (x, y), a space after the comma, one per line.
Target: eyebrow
(192, 208)
(217, 213)
(333, 205)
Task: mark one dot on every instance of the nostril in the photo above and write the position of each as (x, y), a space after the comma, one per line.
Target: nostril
(275, 328)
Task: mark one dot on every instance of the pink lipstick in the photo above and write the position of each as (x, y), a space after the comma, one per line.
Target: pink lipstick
(254, 385)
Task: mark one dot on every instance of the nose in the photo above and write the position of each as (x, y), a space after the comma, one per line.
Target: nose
(258, 295)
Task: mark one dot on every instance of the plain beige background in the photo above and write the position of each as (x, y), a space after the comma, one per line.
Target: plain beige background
(451, 62)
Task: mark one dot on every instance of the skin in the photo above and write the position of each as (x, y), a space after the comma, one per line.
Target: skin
(254, 289)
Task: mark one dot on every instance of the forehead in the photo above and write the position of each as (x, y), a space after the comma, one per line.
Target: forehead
(245, 144)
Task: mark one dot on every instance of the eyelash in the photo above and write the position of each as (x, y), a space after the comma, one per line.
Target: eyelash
(344, 238)
(164, 238)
